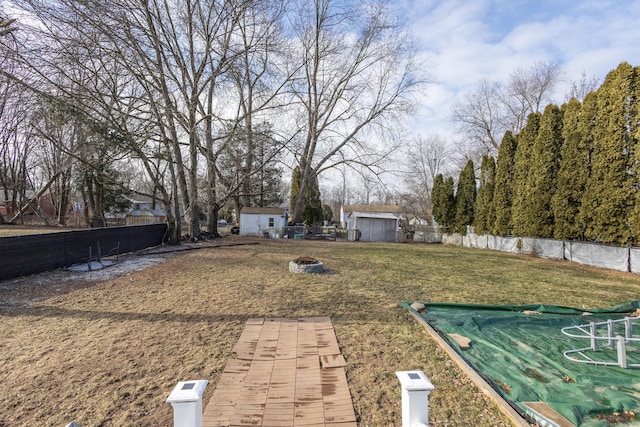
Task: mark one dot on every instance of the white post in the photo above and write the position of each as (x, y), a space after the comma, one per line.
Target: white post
(415, 398)
(186, 399)
(622, 352)
(611, 332)
(593, 331)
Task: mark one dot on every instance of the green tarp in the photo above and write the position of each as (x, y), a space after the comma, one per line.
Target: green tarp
(519, 351)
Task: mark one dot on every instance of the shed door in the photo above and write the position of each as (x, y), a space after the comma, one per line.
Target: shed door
(377, 229)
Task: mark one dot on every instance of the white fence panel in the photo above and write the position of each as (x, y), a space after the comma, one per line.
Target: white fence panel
(543, 248)
(427, 237)
(504, 244)
(611, 257)
(452, 239)
(475, 241)
(634, 260)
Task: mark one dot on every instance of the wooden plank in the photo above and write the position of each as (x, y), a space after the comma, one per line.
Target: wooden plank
(333, 361)
(504, 406)
(462, 341)
(286, 372)
(546, 411)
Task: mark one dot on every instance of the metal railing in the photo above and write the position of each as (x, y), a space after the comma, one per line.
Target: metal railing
(611, 334)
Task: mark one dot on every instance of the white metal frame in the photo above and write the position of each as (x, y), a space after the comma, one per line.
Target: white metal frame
(603, 335)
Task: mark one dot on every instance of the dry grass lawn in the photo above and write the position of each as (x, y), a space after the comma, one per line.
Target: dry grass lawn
(108, 353)
(23, 230)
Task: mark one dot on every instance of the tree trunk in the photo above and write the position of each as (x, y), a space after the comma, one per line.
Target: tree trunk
(62, 206)
(177, 231)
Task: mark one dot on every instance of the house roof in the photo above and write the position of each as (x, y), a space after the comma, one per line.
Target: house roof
(262, 211)
(147, 212)
(372, 208)
(141, 198)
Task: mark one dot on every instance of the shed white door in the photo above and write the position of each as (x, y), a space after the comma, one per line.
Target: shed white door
(377, 229)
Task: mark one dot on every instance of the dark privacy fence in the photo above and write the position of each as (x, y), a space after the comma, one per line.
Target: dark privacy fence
(23, 255)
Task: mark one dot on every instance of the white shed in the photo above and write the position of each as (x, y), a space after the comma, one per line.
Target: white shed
(373, 223)
(258, 221)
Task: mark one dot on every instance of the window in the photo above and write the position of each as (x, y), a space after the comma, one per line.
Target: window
(271, 222)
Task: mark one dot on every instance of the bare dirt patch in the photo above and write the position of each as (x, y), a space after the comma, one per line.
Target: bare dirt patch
(106, 348)
(24, 291)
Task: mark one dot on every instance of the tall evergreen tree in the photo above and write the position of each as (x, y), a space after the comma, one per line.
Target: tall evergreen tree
(544, 165)
(443, 201)
(485, 213)
(522, 174)
(312, 209)
(610, 193)
(449, 191)
(312, 212)
(634, 217)
(503, 192)
(574, 169)
(465, 198)
(296, 177)
(437, 205)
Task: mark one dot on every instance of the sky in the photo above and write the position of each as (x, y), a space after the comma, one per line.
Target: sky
(466, 41)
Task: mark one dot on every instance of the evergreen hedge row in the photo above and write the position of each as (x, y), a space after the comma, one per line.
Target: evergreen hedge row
(572, 173)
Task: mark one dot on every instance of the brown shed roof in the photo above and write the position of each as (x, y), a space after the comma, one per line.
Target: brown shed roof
(264, 211)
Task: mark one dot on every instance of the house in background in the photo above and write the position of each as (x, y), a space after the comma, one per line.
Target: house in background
(144, 210)
(372, 223)
(261, 221)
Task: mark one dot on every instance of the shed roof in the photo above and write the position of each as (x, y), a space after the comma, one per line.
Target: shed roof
(376, 215)
(262, 211)
(372, 208)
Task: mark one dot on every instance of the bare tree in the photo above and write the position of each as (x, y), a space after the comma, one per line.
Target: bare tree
(426, 158)
(580, 89)
(15, 152)
(7, 24)
(358, 75)
(167, 57)
(191, 45)
(479, 114)
(493, 108)
(15, 106)
(528, 91)
(55, 140)
(172, 85)
(245, 146)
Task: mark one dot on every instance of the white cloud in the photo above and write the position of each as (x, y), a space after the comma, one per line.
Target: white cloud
(473, 40)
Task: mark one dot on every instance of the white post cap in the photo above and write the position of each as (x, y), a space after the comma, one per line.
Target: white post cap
(187, 391)
(414, 381)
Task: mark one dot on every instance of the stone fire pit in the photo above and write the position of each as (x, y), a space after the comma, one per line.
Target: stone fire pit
(305, 264)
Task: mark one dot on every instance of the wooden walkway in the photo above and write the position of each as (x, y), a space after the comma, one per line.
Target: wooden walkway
(286, 373)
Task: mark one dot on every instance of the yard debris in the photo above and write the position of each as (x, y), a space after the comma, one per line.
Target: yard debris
(418, 306)
(617, 417)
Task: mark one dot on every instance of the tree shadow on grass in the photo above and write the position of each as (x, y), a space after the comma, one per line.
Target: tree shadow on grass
(59, 312)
